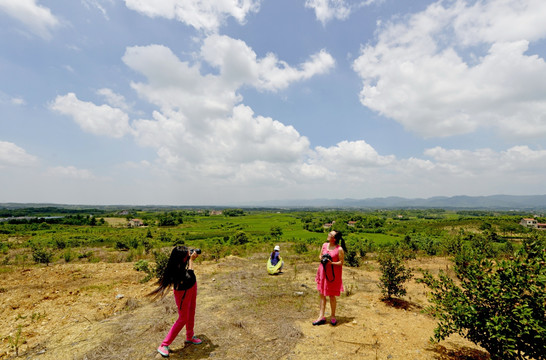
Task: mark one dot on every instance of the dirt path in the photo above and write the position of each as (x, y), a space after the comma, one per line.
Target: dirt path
(99, 311)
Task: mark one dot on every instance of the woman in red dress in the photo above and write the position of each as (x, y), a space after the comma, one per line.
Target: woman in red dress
(329, 275)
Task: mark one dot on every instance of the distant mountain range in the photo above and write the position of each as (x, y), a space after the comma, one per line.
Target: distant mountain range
(492, 202)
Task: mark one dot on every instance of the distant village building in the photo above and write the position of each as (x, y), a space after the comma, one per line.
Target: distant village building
(528, 222)
(124, 212)
(135, 223)
(532, 223)
(351, 223)
(328, 225)
(215, 212)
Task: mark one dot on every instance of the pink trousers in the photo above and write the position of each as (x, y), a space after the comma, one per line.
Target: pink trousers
(185, 301)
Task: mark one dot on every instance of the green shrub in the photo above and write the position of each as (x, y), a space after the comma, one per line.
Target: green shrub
(133, 243)
(430, 246)
(4, 247)
(497, 305)
(86, 255)
(393, 274)
(300, 248)
(59, 243)
(356, 250)
(122, 245)
(351, 259)
(142, 265)
(453, 245)
(148, 244)
(240, 238)
(179, 241)
(41, 255)
(68, 255)
(161, 260)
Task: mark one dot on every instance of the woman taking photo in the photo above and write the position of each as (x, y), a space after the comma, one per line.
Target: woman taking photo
(179, 273)
(329, 275)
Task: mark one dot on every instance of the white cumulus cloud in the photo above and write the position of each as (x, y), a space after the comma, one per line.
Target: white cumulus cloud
(13, 155)
(427, 72)
(201, 124)
(38, 19)
(239, 64)
(327, 10)
(96, 119)
(206, 15)
(115, 100)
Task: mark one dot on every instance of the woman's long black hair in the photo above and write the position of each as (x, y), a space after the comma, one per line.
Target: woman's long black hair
(174, 272)
(339, 240)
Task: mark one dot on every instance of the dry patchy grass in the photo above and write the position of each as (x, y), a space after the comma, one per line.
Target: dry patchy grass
(100, 311)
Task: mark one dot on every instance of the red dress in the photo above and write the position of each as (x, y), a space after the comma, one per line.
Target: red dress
(328, 283)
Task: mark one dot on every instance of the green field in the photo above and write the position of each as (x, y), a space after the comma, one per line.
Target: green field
(80, 235)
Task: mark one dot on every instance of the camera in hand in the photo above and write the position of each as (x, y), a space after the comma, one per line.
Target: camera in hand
(325, 259)
(198, 251)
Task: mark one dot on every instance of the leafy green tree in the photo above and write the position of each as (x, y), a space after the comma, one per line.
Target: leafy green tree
(393, 274)
(233, 212)
(497, 305)
(240, 238)
(276, 232)
(41, 255)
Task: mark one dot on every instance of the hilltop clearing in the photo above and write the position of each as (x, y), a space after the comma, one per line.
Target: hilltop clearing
(100, 311)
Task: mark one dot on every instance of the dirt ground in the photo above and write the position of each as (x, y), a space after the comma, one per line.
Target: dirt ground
(100, 311)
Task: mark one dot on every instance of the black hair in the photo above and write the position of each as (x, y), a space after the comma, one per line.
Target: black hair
(174, 272)
(339, 240)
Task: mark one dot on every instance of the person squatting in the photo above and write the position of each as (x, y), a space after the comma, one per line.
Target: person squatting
(179, 274)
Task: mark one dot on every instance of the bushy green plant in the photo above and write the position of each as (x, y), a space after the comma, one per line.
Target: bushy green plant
(453, 245)
(133, 242)
(122, 245)
(86, 255)
(41, 255)
(393, 273)
(68, 255)
(179, 241)
(300, 248)
(142, 265)
(497, 305)
(215, 251)
(60, 243)
(148, 244)
(430, 246)
(161, 260)
(3, 247)
(482, 245)
(240, 238)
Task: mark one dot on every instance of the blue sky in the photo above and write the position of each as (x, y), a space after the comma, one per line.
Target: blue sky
(195, 102)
